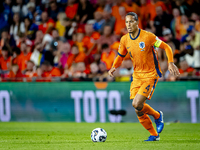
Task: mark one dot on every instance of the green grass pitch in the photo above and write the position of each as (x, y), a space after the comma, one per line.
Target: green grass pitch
(121, 136)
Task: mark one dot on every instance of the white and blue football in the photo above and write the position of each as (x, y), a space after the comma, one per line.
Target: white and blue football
(98, 135)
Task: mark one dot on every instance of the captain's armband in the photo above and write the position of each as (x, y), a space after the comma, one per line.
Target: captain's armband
(157, 43)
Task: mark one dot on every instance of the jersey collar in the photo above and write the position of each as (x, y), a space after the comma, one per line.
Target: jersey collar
(136, 36)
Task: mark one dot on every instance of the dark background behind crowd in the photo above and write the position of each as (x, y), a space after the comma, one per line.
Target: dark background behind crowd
(77, 40)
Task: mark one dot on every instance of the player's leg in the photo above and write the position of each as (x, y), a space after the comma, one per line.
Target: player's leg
(138, 103)
(147, 90)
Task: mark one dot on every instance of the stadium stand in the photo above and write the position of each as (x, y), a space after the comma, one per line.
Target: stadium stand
(77, 40)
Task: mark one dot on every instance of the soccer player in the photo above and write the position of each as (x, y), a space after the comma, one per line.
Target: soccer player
(141, 46)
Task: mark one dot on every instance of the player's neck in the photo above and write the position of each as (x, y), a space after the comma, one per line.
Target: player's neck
(135, 33)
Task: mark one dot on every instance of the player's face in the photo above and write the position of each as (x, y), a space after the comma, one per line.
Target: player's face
(131, 24)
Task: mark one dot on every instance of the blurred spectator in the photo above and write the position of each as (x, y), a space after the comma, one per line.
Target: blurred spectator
(75, 57)
(196, 18)
(161, 21)
(90, 39)
(109, 20)
(60, 23)
(7, 12)
(190, 6)
(71, 9)
(53, 10)
(168, 37)
(13, 75)
(37, 56)
(152, 8)
(24, 57)
(4, 22)
(31, 8)
(107, 56)
(6, 39)
(175, 23)
(101, 5)
(94, 68)
(194, 41)
(30, 71)
(79, 41)
(79, 71)
(49, 71)
(185, 70)
(20, 8)
(63, 54)
(144, 16)
(23, 38)
(98, 16)
(56, 38)
(109, 5)
(47, 39)
(37, 15)
(15, 54)
(194, 38)
(104, 76)
(131, 6)
(115, 9)
(30, 28)
(107, 37)
(70, 28)
(85, 11)
(120, 27)
(17, 26)
(182, 28)
(47, 23)
(5, 59)
(39, 36)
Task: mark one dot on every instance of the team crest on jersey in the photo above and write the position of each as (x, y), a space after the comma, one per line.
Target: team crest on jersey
(142, 45)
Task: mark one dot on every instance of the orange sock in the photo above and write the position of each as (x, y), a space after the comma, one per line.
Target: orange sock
(147, 124)
(150, 111)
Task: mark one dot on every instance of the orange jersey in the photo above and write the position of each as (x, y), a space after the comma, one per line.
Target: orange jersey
(71, 10)
(5, 64)
(73, 58)
(89, 41)
(142, 53)
(108, 58)
(22, 60)
(152, 8)
(133, 8)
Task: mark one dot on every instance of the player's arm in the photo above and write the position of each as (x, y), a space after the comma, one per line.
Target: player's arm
(172, 67)
(118, 60)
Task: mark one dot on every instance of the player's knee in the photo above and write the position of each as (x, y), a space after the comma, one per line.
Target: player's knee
(137, 105)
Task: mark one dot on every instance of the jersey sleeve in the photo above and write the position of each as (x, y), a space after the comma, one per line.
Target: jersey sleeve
(122, 48)
(154, 40)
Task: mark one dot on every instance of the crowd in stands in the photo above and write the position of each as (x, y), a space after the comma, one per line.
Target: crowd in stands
(73, 40)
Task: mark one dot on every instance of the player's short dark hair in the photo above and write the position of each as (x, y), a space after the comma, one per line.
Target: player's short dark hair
(133, 14)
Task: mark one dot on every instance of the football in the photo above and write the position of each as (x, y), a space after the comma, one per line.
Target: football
(98, 135)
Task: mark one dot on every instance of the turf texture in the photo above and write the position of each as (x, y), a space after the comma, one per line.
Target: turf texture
(121, 136)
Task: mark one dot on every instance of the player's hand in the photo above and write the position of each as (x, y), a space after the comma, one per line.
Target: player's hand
(111, 71)
(173, 69)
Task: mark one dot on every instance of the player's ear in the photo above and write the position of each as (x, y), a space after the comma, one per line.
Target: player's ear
(137, 22)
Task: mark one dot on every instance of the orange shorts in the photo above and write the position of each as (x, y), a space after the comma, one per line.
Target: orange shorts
(143, 87)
